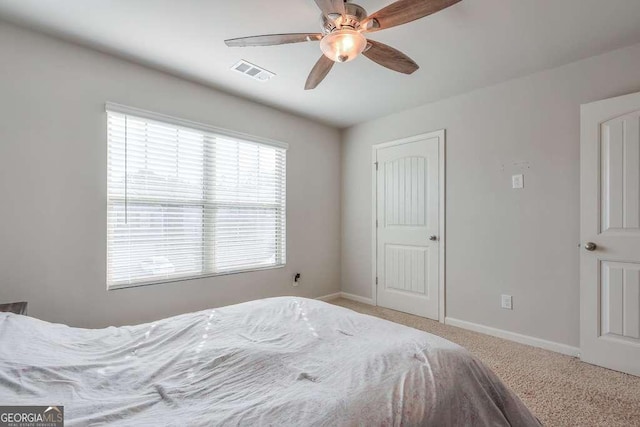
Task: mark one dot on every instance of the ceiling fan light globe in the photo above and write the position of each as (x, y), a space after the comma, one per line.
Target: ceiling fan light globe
(343, 45)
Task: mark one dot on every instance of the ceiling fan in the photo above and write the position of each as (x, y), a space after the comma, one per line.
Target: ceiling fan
(342, 39)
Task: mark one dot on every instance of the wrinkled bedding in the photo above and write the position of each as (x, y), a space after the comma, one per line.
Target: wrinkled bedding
(279, 361)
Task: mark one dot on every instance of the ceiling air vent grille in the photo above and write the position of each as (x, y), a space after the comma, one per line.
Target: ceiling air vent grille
(253, 71)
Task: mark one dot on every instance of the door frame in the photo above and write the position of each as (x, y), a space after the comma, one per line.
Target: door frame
(441, 135)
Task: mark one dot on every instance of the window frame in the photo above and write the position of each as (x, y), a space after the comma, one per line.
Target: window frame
(111, 107)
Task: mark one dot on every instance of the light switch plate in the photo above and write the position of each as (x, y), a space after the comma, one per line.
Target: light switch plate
(517, 181)
(507, 302)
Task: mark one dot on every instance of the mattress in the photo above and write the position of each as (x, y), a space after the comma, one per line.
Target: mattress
(279, 361)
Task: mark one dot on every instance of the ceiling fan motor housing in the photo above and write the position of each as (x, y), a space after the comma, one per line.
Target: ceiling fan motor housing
(354, 14)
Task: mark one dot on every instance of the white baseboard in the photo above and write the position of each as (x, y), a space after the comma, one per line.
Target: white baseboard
(329, 297)
(513, 336)
(356, 298)
(488, 330)
(345, 295)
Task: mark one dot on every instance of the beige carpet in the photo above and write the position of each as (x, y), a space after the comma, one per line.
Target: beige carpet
(560, 390)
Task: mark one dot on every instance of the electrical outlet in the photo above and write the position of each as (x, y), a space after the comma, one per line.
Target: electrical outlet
(507, 302)
(517, 181)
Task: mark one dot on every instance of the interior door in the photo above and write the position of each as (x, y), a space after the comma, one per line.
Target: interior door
(407, 213)
(610, 233)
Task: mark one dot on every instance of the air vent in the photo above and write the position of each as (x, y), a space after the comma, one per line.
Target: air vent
(253, 71)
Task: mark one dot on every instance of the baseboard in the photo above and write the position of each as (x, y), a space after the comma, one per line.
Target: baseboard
(345, 295)
(513, 336)
(330, 297)
(488, 330)
(356, 298)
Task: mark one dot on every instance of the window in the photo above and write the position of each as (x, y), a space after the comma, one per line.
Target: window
(187, 201)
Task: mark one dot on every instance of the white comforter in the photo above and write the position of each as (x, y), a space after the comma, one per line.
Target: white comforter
(279, 361)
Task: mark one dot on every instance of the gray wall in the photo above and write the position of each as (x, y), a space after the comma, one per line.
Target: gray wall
(499, 240)
(53, 185)
(524, 243)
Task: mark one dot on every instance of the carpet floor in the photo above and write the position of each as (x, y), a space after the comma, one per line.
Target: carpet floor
(560, 390)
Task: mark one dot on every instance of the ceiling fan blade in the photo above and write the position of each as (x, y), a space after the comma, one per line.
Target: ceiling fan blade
(273, 39)
(403, 11)
(319, 72)
(389, 57)
(329, 7)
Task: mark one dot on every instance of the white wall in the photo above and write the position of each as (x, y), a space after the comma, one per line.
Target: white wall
(499, 240)
(53, 185)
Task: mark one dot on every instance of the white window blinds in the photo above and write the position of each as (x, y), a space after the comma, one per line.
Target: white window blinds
(186, 202)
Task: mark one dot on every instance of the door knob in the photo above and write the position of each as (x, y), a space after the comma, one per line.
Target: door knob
(590, 246)
(433, 238)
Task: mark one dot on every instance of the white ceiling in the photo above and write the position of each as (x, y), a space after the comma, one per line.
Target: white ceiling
(473, 44)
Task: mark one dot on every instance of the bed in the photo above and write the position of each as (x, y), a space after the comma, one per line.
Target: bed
(278, 361)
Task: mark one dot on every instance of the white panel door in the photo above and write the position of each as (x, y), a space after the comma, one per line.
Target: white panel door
(407, 209)
(610, 232)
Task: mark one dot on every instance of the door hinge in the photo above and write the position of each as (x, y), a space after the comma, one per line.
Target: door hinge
(376, 281)
(376, 223)
(376, 163)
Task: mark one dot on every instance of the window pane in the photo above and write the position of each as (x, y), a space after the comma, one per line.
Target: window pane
(160, 163)
(245, 173)
(246, 237)
(154, 242)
